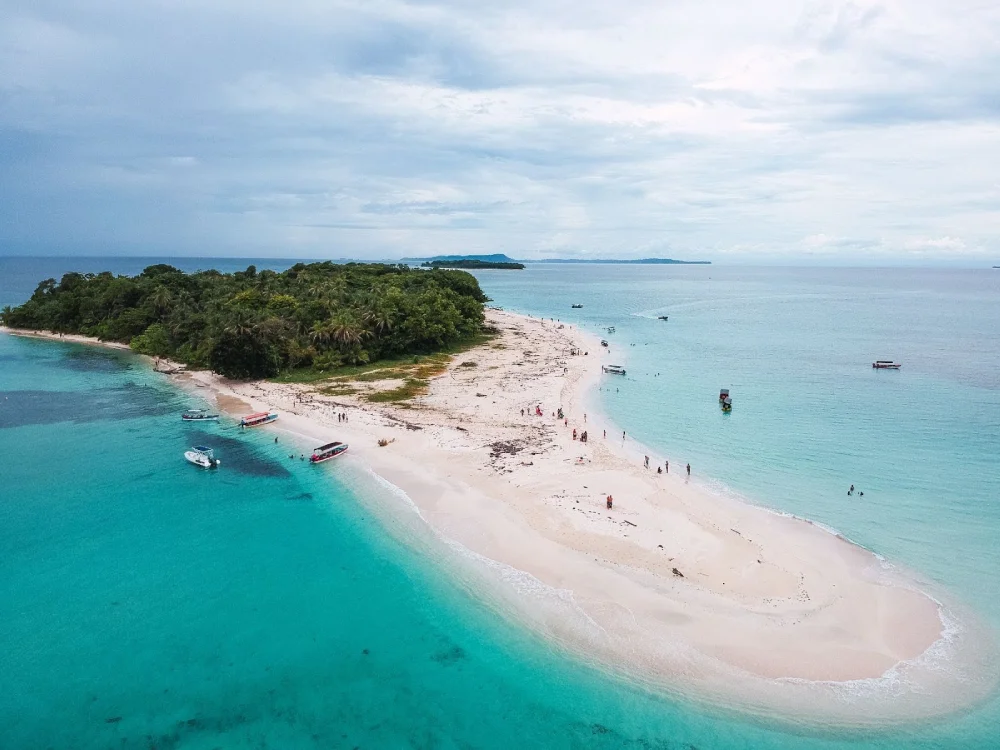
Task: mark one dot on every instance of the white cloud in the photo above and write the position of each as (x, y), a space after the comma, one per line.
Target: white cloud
(829, 129)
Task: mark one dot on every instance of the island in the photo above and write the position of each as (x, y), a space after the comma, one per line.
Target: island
(505, 261)
(472, 265)
(316, 317)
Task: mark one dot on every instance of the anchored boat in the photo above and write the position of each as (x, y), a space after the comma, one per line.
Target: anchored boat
(328, 451)
(256, 420)
(576, 307)
(613, 369)
(886, 364)
(199, 415)
(202, 456)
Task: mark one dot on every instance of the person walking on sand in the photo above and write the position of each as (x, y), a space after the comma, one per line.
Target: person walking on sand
(689, 469)
(605, 434)
(610, 501)
(666, 467)
(647, 461)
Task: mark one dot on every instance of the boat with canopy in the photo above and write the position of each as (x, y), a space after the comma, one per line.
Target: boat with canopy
(256, 420)
(199, 415)
(328, 451)
(886, 364)
(203, 456)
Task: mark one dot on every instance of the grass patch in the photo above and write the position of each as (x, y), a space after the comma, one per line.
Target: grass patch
(415, 365)
(412, 388)
(339, 389)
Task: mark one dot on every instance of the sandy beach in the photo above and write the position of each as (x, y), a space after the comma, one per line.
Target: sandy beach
(674, 585)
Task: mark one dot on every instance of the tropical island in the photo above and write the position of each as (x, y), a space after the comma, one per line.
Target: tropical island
(314, 317)
(473, 264)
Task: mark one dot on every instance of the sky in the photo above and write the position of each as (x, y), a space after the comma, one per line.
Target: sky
(773, 131)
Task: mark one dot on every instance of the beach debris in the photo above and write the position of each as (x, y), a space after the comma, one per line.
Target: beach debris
(480, 395)
(678, 573)
(383, 442)
(469, 363)
(629, 523)
(506, 447)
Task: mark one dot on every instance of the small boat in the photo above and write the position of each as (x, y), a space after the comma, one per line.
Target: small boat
(886, 364)
(663, 317)
(202, 456)
(256, 420)
(199, 415)
(613, 369)
(723, 394)
(603, 342)
(576, 307)
(727, 404)
(611, 329)
(328, 451)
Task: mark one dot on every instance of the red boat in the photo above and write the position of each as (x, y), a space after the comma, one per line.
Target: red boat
(328, 451)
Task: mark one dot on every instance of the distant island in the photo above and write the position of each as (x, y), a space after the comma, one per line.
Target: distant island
(449, 261)
(317, 317)
(472, 264)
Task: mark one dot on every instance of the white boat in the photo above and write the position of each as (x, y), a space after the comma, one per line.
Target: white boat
(886, 364)
(202, 456)
(328, 451)
(256, 420)
(199, 415)
(613, 369)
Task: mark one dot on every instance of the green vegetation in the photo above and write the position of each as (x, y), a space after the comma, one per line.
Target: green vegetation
(312, 322)
(472, 264)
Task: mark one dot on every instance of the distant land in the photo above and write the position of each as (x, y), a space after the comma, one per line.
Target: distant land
(473, 263)
(501, 258)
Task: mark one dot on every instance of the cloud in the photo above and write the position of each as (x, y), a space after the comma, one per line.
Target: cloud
(827, 129)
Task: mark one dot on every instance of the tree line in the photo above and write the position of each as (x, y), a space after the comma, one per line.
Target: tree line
(251, 324)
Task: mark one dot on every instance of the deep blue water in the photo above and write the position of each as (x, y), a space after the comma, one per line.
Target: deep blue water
(148, 604)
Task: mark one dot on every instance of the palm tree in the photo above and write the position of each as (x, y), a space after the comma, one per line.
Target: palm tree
(346, 330)
(162, 300)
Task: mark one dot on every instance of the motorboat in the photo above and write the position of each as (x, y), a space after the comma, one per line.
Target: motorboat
(256, 420)
(886, 364)
(613, 369)
(328, 451)
(199, 415)
(603, 342)
(576, 307)
(663, 317)
(203, 456)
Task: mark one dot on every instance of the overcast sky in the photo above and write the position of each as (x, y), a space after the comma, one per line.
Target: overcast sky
(731, 131)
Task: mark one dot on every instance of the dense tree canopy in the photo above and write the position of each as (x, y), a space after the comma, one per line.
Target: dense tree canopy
(253, 324)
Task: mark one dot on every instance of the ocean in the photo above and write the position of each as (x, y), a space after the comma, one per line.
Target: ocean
(273, 604)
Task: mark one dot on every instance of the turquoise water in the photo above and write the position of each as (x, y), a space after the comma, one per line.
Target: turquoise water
(148, 604)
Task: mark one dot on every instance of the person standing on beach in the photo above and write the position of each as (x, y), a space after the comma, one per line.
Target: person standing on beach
(689, 469)
(623, 434)
(647, 461)
(666, 467)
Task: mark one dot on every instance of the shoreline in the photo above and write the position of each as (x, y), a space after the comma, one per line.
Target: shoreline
(647, 578)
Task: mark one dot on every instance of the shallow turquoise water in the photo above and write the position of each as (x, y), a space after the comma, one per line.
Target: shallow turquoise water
(149, 604)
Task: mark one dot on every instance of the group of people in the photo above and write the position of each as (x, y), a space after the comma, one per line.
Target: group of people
(665, 469)
(341, 416)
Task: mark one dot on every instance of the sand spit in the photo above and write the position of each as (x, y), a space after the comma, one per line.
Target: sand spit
(674, 586)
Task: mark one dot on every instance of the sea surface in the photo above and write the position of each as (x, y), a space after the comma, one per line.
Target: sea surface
(272, 604)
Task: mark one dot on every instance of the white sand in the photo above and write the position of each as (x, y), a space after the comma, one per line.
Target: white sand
(771, 613)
